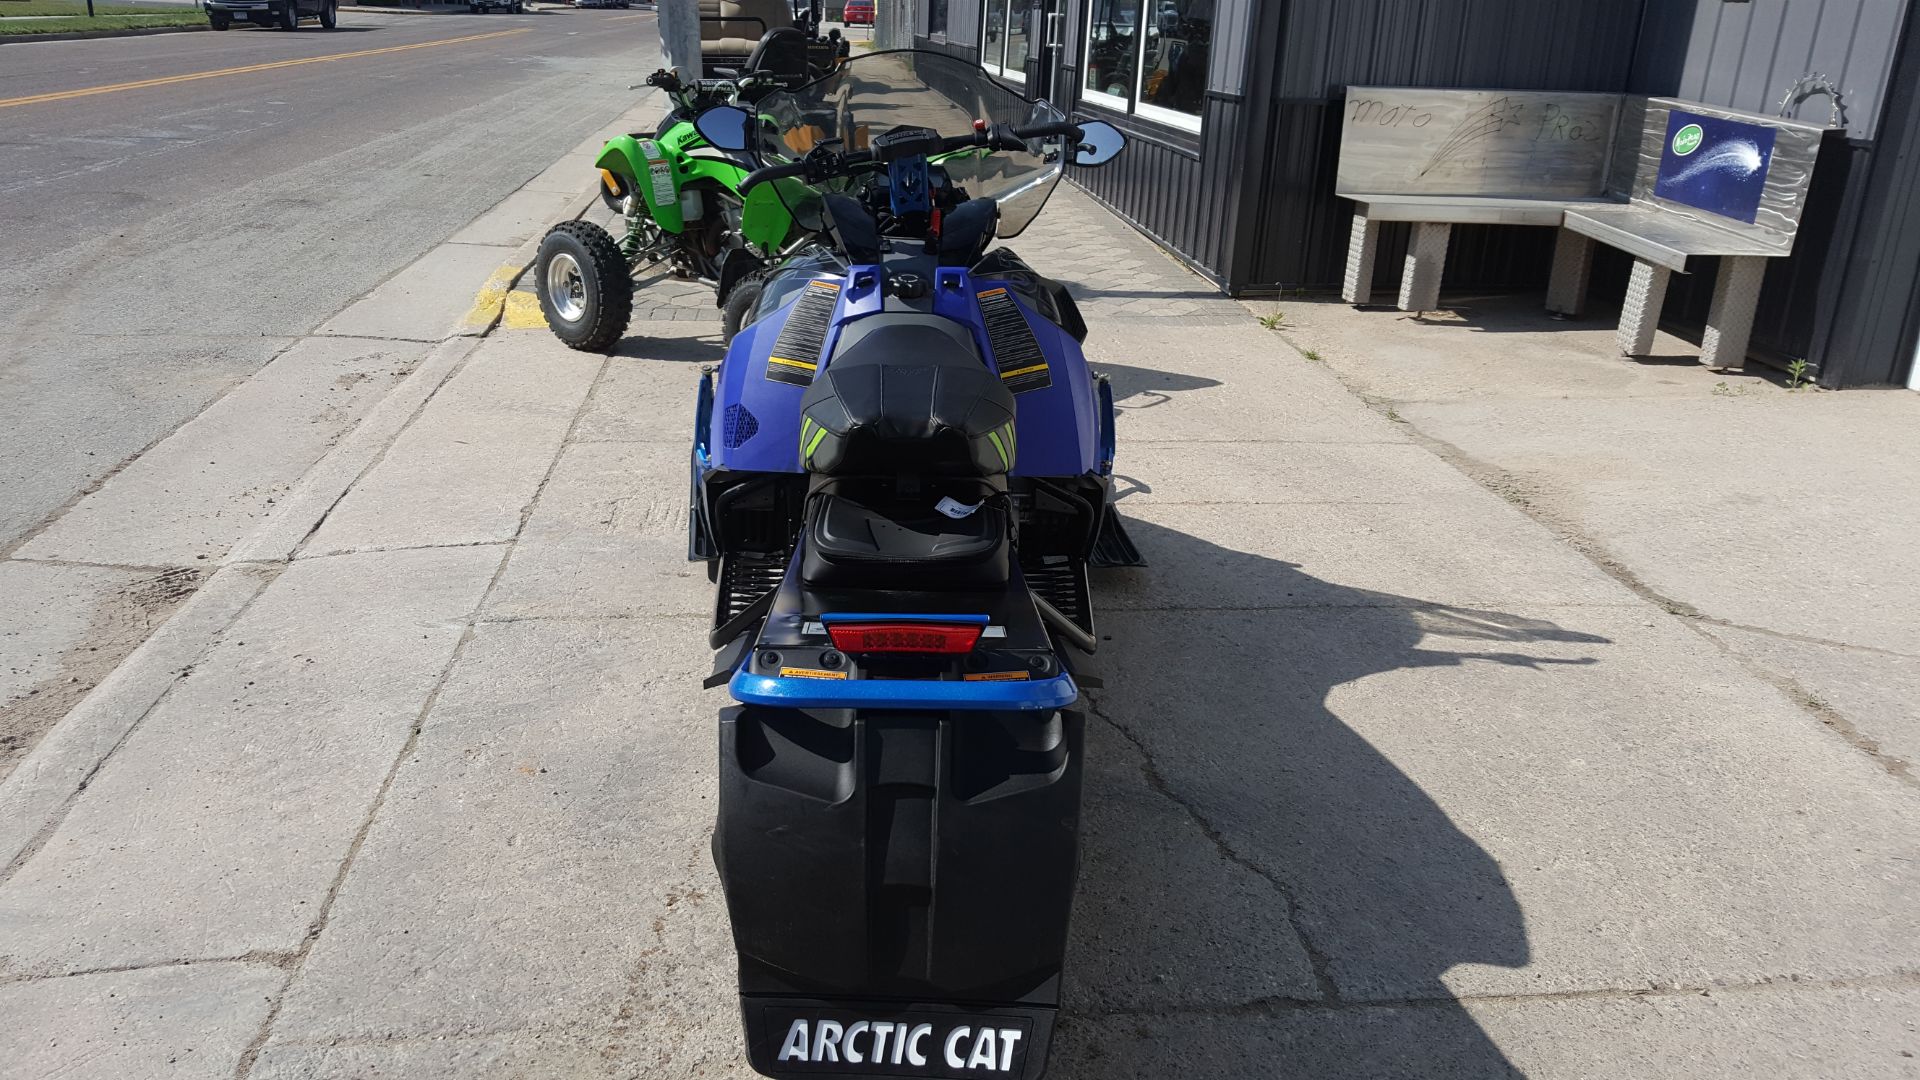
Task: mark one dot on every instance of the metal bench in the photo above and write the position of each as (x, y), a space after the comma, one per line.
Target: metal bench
(1706, 182)
(1591, 165)
(1440, 158)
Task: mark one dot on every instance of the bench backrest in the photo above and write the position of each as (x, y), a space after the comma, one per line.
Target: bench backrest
(1413, 141)
(1739, 171)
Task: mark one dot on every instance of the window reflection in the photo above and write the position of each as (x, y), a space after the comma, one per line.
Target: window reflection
(1111, 38)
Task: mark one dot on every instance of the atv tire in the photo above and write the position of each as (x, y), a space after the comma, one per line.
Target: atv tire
(330, 15)
(739, 303)
(584, 285)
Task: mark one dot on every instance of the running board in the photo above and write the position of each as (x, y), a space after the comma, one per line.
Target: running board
(1113, 547)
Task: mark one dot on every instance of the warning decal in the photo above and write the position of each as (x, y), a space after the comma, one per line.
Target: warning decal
(1016, 352)
(796, 352)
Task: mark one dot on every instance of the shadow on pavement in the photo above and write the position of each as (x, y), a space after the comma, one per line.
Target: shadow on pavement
(690, 349)
(1143, 388)
(1230, 813)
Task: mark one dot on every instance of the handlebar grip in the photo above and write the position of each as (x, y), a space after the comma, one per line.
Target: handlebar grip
(1041, 131)
(772, 172)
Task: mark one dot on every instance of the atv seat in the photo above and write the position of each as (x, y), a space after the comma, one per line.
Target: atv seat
(907, 395)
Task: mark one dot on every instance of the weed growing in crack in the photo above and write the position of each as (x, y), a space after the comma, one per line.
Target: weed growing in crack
(1273, 321)
(1797, 378)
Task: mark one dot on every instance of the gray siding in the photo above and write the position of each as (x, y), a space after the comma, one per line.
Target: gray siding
(1746, 55)
(1312, 50)
(1874, 285)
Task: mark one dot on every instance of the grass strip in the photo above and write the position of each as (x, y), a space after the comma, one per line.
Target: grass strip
(67, 25)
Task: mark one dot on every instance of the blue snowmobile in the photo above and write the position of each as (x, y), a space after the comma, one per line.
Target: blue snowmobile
(901, 473)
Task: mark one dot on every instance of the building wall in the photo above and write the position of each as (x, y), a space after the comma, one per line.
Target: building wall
(1315, 49)
(1249, 201)
(1875, 281)
(1745, 55)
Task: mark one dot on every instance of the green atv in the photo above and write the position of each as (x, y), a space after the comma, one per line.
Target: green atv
(680, 200)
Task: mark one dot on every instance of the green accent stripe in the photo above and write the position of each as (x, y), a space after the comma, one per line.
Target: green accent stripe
(1005, 461)
(818, 436)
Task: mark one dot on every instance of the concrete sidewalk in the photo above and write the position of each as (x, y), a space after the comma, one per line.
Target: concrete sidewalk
(1388, 780)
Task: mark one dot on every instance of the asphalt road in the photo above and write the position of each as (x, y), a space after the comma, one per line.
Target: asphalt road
(161, 242)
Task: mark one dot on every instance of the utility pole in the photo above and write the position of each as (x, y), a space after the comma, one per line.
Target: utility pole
(679, 36)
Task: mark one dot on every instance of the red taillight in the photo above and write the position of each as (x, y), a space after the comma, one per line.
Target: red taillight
(904, 637)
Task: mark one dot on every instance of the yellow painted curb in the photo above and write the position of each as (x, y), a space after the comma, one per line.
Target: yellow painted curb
(492, 299)
(523, 313)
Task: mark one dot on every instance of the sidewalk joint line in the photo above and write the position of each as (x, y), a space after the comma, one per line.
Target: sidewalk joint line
(318, 926)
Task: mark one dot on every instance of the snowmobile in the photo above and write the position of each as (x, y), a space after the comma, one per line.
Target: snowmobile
(900, 474)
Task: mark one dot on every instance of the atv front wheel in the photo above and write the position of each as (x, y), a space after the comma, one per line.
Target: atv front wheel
(584, 287)
(740, 300)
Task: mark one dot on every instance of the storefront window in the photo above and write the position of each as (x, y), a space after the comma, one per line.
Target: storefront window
(1112, 56)
(1149, 57)
(1003, 38)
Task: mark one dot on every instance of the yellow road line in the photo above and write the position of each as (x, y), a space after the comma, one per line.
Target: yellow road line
(65, 95)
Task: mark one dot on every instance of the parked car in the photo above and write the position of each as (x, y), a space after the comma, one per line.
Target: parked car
(285, 14)
(602, 3)
(481, 7)
(858, 13)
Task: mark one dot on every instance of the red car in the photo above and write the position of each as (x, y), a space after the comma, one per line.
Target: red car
(858, 13)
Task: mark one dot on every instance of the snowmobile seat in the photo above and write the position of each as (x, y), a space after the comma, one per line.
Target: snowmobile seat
(896, 544)
(907, 395)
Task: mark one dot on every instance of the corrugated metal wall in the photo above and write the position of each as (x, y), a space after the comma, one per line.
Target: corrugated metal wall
(1875, 284)
(1746, 55)
(1317, 48)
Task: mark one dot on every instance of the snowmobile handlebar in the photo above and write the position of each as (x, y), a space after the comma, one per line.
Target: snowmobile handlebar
(823, 162)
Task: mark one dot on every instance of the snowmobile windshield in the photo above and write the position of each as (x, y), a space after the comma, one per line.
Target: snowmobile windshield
(872, 94)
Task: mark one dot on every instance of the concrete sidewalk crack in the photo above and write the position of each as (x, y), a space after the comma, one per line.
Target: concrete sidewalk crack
(473, 623)
(298, 960)
(259, 956)
(1319, 961)
(1514, 491)
(1276, 1005)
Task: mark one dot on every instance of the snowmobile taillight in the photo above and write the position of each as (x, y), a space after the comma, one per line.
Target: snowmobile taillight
(905, 637)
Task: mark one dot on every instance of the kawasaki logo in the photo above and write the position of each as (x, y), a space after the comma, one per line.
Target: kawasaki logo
(1688, 139)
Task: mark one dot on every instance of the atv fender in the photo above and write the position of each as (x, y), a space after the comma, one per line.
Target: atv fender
(644, 165)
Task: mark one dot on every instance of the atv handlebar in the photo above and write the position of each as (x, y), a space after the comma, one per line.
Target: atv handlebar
(822, 163)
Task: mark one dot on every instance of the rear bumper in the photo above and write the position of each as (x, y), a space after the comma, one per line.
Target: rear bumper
(895, 868)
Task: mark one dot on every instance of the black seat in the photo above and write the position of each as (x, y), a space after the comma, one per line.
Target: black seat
(907, 395)
(901, 543)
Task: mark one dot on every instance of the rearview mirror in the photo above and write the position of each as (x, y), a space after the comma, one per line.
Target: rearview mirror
(1100, 142)
(726, 127)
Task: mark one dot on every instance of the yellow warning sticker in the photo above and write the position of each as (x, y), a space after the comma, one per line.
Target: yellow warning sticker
(801, 364)
(815, 673)
(997, 676)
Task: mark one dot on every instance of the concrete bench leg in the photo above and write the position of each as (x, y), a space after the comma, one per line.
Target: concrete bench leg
(1426, 257)
(1736, 292)
(1640, 316)
(1572, 265)
(1358, 288)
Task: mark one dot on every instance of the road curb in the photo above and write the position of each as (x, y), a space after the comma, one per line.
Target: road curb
(35, 796)
(82, 35)
(490, 305)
